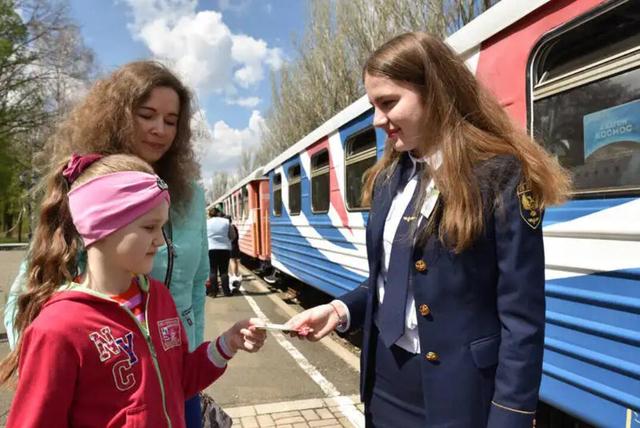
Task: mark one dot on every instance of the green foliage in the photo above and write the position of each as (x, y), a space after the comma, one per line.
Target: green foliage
(20, 95)
(42, 56)
(12, 31)
(12, 192)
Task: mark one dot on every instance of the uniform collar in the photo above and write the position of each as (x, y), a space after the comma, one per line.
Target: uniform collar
(432, 161)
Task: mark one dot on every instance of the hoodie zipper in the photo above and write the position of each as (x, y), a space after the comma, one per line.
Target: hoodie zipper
(152, 350)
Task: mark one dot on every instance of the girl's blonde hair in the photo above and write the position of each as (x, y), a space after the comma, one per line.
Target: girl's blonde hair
(55, 246)
(104, 122)
(468, 126)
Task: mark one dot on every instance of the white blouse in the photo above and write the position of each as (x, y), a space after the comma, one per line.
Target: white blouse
(410, 341)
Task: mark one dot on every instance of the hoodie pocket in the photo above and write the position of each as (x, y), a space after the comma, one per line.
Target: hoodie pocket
(484, 351)
(137, 417)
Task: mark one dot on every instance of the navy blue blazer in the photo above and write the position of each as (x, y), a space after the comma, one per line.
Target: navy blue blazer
(480, 312)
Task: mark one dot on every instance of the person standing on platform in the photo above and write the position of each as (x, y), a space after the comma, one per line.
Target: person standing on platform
(453, 310)
(219, 234)
(142, 108)
(235, 278)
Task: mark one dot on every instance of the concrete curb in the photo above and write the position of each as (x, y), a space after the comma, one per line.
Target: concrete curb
(14, 247)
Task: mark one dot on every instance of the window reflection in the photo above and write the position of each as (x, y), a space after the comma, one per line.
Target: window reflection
(320, 182)
(360, 155)
(295, 195)
(277, 194)
(594, 130)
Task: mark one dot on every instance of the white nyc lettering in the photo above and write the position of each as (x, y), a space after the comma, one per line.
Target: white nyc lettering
(105, 343)
(107, 347)
(123, 376)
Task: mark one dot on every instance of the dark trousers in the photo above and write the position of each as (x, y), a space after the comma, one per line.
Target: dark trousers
(219, 262)
(397, 399)
(192, 412)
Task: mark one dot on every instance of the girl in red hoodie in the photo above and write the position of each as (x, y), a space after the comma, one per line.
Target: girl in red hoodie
(106, 349)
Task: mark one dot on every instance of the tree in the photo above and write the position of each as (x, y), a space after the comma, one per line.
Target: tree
(218, 185)
(21, 100)
(44, 67)
(63, 65)
(247, 163)
(200, 133)
(326, 75)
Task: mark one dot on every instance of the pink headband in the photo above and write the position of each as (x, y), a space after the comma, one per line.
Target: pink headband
(107, 203)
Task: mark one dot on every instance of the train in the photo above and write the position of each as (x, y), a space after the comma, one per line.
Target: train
(568, 71)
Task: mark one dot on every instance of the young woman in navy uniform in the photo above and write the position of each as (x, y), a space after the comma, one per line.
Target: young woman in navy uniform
(453, 309)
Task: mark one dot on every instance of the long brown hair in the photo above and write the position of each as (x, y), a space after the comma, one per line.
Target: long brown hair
(468, 126)
(104, 123)
(55, 246)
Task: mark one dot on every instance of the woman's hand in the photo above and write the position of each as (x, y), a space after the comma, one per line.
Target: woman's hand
(315, 323)
(245, 336)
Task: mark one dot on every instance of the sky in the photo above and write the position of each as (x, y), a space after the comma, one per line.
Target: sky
(224, 50)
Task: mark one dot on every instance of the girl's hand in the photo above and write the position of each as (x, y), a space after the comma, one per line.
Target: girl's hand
(245, 336)
(315, 323)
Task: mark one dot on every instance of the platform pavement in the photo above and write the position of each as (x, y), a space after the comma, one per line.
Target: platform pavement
(276, 392)
(9, 264)
(295, 414)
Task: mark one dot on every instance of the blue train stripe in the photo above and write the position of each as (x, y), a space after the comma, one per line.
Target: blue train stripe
(574, 209)
(587, 355)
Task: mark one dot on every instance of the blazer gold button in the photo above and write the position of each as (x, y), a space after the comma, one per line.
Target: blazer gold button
(432, 356)
(424, 310)
(421, 265)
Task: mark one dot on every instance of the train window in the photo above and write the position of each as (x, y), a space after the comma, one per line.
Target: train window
(293, 176)
(245, 202)
(320, 182)
(232, 204)
(277, 194)
(360, 155)
(586, 100)
(234, 207)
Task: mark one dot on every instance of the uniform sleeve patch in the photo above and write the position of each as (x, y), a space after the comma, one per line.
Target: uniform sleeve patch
(529, 206)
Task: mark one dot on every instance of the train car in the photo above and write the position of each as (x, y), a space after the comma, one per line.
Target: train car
(248, 207)
(568, 70)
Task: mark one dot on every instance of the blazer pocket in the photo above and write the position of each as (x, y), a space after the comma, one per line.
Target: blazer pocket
(484, 351)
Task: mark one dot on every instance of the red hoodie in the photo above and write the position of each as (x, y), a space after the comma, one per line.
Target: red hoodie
(86, 362)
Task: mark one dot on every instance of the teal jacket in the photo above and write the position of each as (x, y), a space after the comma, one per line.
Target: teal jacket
(190, 266)
(190, 271)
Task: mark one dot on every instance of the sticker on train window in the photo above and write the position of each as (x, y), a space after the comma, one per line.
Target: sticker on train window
(612, 131)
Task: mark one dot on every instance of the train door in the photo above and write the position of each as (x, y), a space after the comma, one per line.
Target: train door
(265, 239)
(254, 216)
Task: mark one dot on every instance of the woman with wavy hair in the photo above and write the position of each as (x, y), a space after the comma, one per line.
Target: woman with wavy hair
(143, 109)
(453, 309)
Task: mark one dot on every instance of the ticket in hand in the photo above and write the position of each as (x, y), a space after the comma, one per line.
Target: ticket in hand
(275, 327)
